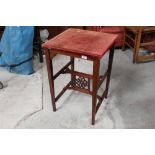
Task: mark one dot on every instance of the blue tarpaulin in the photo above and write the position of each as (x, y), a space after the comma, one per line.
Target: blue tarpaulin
(16, 47)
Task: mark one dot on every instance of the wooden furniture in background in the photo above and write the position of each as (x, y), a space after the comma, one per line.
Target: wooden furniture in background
(88, 45)
(134, 37)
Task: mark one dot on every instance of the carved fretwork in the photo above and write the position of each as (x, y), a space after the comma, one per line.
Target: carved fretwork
(81, 82)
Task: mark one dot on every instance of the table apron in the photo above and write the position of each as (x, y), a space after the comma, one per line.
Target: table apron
(71, 54)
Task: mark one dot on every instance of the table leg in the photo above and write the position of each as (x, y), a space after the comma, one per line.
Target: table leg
(137, 47)
(72, 69)
(111, 55)
(96, 66)
(50, 77)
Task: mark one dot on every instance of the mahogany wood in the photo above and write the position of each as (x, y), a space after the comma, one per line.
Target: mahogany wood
(102, 78)
(50, 77)
(63, 91)
(79, 73)
(100, 100)
(62, 70)
(111, 55)
(81, 81)
(96, 66)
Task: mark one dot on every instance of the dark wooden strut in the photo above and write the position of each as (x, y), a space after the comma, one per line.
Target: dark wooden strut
(78, 73)
(63, 91)
(50, 77)
(83, 87)
(96, 66)
(102, 78)
(81, 90)
(100, 100)
(71, 85)
(89, 84)
(111, 55)
(72, 68)
(79, 81)
(62, 70)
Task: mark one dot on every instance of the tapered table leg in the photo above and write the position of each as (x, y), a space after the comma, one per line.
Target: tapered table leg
(50, 77)
(72, 69)
(96, 66)
(111, 55)
(137, 46)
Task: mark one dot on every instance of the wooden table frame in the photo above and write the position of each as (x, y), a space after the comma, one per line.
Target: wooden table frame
(82, 83)
(137, 41)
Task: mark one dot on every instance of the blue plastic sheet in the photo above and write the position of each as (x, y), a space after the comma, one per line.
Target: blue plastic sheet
(16, 46)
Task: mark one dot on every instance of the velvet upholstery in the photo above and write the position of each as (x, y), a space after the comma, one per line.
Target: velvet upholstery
(119, 30)
(84, 42)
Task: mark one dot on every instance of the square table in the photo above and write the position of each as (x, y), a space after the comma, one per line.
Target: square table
(88, 45)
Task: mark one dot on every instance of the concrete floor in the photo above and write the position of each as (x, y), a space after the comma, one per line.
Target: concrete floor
(130, 104)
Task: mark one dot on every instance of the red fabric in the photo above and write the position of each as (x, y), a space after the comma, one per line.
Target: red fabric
(119, 40)
(84, 42)
(119, 30)
(112, 29)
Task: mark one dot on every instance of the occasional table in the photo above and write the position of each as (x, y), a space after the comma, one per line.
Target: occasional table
(84, 44)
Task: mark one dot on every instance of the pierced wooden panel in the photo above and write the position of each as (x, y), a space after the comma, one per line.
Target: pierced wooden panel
(81, 82)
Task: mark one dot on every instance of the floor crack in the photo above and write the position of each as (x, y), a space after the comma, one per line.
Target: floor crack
(29, 115)
(26, 117)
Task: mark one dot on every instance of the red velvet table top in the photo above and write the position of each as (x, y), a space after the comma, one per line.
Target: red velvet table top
(84, 42)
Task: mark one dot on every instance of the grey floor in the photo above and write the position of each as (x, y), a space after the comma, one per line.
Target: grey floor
(130, 103)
